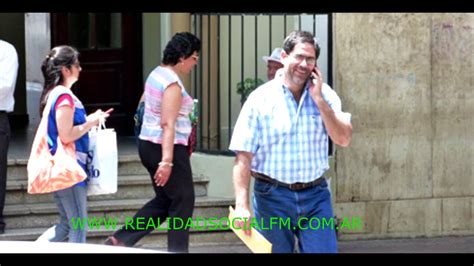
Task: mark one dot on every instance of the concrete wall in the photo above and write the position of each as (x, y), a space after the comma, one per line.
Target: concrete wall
(218, 169)
(181, 22)
(407, 79)
(38, 44)
(151, 42)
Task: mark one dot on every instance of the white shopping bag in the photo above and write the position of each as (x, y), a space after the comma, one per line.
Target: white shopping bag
(102, 161)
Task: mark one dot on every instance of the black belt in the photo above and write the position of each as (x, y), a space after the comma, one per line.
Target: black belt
(294, 186)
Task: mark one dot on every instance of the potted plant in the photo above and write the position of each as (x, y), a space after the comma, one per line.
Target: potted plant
(244, 88)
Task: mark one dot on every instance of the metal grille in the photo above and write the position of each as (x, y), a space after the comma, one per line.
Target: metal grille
(232, 49)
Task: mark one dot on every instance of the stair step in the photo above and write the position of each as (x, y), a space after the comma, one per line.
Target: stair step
(157, 239)
(16, 169)
(129, 187)
(32, 247)
(222, 246)
(127, 165)
(197, 239)
(28, 216)
(139, 186)
(46, 214)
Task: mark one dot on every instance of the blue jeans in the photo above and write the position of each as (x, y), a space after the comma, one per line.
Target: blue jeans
(72, 203)
(306, 211)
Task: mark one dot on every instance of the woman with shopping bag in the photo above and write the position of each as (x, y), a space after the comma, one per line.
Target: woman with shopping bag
(62, 137)
(163, 145)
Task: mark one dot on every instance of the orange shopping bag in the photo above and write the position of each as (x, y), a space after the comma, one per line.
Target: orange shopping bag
(46, 172)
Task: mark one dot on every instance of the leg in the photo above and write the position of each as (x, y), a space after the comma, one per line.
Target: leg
(180, 189)
(319, 235)
(157, 208)
(79, 211)
(60, 231)
(74, 202)
(275, 206)
(4, 141)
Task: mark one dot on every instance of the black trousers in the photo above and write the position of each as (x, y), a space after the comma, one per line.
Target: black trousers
(4, 140)
(175, 199)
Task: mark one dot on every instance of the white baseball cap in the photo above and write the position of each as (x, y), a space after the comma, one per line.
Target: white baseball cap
(275, 56)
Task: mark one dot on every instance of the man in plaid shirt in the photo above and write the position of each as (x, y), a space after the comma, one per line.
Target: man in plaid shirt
(281, 139)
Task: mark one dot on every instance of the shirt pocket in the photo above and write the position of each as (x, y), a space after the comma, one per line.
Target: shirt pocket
(315, 126)
(276, 125)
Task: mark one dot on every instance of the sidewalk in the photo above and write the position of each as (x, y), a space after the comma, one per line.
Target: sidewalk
(451, 244)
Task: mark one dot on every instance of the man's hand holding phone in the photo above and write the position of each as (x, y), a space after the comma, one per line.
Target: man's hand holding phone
(316, 84)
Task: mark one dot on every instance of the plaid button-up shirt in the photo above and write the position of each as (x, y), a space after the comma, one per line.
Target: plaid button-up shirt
(288, 140)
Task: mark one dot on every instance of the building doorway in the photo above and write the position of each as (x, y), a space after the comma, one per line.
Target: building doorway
(110, 46)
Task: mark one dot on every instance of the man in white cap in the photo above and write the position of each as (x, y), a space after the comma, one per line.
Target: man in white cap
(273, 63)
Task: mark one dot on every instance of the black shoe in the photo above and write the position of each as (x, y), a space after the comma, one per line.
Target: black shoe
(109, 241)
(112, 241)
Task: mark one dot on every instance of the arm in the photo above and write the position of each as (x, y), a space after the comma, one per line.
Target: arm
(339, 129)
(170, 106)
(9, 70)
(241, 179)
(245, 143)
(64, 120)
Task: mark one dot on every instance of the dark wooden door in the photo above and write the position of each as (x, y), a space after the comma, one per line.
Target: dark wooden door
(110, 46)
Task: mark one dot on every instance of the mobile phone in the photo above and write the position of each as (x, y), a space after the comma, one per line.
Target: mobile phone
(311, 76)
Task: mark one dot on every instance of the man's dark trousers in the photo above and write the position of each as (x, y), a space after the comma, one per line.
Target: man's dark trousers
(4, 140)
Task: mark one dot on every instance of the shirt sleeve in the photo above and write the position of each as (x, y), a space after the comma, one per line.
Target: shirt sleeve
(246, 133)
(64, 100)
(8, 69)
(333, 100)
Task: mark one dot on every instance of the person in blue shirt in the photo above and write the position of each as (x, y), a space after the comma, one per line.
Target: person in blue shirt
(281, 139)
(67, 122)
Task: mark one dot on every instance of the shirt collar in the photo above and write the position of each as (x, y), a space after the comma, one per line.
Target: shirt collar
(283, 86)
